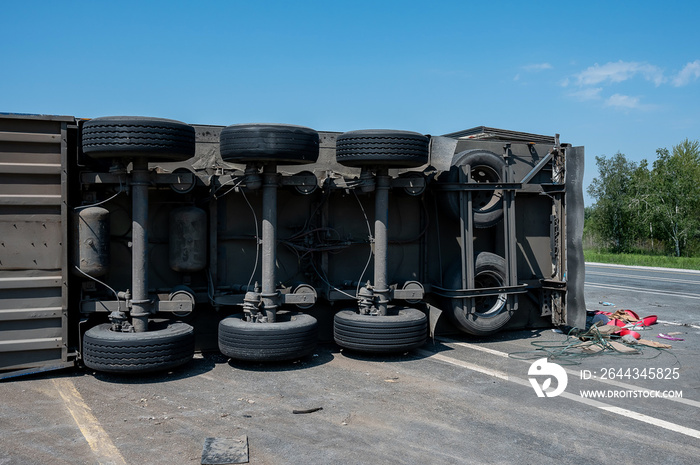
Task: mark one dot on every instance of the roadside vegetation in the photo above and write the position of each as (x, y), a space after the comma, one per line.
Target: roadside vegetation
(646, 214)
(663, 261)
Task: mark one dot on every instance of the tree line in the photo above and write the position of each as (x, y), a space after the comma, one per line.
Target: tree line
(641, 207)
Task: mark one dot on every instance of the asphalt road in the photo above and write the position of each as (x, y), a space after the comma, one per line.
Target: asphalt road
(673, 295)
(457, 400)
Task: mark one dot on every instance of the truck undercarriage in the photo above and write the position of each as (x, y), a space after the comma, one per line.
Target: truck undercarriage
(128, 242)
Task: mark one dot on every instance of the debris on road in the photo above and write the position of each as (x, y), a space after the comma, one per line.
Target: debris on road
(622, 348)
(308, 410)
(217, 451)
(655, 344)
(670, 338)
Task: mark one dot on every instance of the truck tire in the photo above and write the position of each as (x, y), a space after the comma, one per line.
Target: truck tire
(486, 167)
(491, 313)
(269, 143)
(292, 336)
(137, 136)
(382, 147)
(405, 330)
(167, 346)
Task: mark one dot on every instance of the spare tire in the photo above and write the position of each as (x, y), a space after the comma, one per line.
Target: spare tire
(138, 136)
(485, 167)
(382, 147)
(491, 312)
(269, 143)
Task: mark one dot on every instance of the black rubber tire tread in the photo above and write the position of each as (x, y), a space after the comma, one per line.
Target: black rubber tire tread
(474, 323)
(164, 347)
(292, 336)
(382, 147)
(138, 136)
(269, 143)
(405, 330)
(483, 217)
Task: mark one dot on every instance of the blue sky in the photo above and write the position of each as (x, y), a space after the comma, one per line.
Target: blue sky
(612, 76)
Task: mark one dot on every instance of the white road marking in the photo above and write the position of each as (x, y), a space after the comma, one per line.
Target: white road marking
(646, 268)
(470, 366)
(590, 402)
(648, 278)
(97, 438)
(664, 322)
(620, 384)
(646, 291)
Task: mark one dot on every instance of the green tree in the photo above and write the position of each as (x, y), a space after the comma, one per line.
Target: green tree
(641, 202)
(615, 214)
(675, 194)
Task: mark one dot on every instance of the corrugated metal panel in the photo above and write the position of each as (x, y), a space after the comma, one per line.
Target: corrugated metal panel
(486, 133)
(33, 237)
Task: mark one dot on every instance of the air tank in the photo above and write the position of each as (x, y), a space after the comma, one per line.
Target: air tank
(91, 231)
(188, 239)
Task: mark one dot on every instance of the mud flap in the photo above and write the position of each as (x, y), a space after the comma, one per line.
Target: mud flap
(434, 314)
(576, 266)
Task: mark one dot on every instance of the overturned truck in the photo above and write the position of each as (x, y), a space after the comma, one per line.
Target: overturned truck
(128, 242)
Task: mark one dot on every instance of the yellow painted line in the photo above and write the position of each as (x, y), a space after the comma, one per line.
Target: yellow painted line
(95, 435)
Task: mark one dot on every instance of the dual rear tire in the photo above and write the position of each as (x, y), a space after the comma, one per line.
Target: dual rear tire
(164, 346)
(403, 330)
(291, 337)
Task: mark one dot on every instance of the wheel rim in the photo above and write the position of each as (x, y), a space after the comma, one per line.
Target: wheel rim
(485, 200)
(489, 306)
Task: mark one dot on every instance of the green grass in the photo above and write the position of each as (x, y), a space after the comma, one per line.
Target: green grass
(688, 263)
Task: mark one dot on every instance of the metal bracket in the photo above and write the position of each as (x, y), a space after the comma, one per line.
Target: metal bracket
(481, 292)
(300, 299)
(185, 179)
(108, 306)
(528, 177)
(456, 186)
(553, 284)
(305, 182)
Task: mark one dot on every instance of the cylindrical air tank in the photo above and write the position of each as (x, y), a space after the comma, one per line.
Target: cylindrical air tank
(91, 231)
(188, 239)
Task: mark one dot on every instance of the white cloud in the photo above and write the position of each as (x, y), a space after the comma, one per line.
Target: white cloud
(537, 67)
(589, 93)
(620, 71)
(690, 72)
(595, 82)
(622, 101)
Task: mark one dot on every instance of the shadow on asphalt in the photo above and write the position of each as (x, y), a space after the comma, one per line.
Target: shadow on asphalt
(320, 356)
(324, 353)
(194, 367)
(390, 357)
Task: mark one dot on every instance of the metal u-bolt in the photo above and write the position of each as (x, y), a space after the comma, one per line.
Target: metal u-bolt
(269, 242)
(381, 241)
(140, 304)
